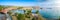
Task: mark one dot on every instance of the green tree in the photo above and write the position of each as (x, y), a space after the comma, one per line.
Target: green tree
(1, 7)
(37, 11)
(20, 16)
(28, 13)
(20, 8)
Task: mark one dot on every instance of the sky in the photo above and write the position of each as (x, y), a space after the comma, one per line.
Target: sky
(20, 2)
(41, 3)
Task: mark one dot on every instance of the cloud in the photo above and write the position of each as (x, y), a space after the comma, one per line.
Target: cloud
(50, 3)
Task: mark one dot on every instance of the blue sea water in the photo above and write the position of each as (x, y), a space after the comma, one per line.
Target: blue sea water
(50, 13)
(46, 13)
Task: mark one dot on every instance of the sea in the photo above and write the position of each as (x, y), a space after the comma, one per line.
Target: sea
(53, 13)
